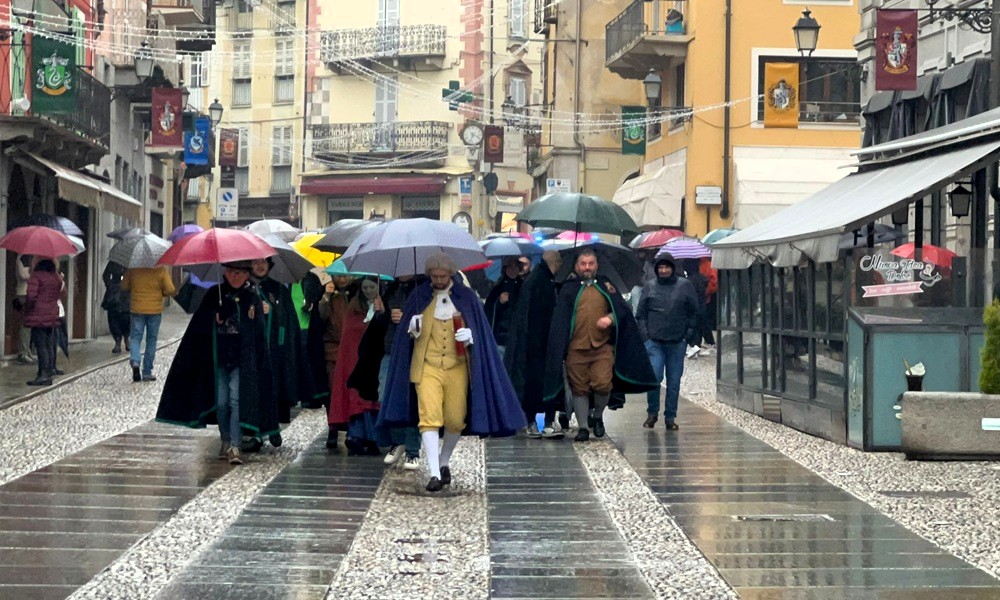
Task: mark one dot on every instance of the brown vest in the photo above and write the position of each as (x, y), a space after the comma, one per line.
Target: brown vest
(590, 306)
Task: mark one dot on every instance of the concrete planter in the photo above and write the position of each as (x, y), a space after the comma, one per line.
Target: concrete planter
(950, 426)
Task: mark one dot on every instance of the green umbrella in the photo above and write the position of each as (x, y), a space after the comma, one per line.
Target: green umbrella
(338, 268)
(716, 235)
(578, 212)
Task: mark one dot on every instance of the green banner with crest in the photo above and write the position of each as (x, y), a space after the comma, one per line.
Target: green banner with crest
(53, 76)
(634, 130)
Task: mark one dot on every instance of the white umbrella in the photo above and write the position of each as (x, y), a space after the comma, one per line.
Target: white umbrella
(273, 227)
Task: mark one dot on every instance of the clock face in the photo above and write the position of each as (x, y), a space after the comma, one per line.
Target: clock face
(463, 220)
(472, 134)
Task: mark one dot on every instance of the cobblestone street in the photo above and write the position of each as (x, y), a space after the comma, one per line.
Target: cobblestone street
(98, 502)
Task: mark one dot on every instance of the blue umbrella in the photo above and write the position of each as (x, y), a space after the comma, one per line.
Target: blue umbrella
(337, 268)
(401, 247)
(501, 247)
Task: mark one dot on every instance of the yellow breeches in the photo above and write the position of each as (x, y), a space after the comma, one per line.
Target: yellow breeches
(441, 398)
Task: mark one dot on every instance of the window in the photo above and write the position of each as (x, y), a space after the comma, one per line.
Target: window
(655, 127)
(242, 16)
(194, 188)
(383, 138)
(284, 71)
(829, 88)
(518, 91)
(198, 71)
(242, 68)
(284, 16)
(281, 159)
(678, 94)
(517, 24)
(243, 163)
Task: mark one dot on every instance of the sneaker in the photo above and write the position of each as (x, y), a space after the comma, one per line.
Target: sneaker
(692, 352)
(650, 421)
(136, 375)
(533, 431)
(275, 439)
(149, 377)
(233, 454)
(224, 451)
(671, 426)
(395, 453)
(411, 463)
(707, 351)
(551, 434)
(582, 435)
(26, 360)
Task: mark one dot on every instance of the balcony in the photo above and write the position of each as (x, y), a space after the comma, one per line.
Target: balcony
(201, 35)
(178, 13)
(647, 34)
(344, 141)
(545, 13)
(407, 47)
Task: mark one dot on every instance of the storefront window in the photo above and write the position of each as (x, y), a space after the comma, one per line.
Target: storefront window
(753, 363)
(797, 369)
(821, 305)
(831, 380)
(728, 347)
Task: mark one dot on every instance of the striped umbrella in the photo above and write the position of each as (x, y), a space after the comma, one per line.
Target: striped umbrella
(685, 247)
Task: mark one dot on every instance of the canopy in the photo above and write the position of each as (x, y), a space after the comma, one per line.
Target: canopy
(654, 198)
(87, 191)
(767, 185)
(812, 228)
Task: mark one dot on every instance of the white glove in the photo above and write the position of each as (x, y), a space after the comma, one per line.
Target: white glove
(416, 324)
(464, 335)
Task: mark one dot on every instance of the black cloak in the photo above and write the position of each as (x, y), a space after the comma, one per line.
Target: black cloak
(188, 397)
(528, 336)
(283, 346)
(371, 352)
(315, 385)
(633, 372)
(499, 314)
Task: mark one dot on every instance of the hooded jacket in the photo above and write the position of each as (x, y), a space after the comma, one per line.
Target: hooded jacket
(669, 308)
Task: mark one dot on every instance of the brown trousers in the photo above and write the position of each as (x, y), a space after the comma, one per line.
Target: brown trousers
(590, 369)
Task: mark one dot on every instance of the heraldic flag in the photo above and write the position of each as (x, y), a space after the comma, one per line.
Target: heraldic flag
(168, 118)
(54, 74)
(781, 95)
(896, 50)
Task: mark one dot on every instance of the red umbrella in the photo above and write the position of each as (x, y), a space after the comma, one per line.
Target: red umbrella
(217, 246)
(40, 241)
(932, 254)
(659, 237)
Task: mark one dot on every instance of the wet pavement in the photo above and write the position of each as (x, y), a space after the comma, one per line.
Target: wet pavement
(550, 536)
(62, 524)
(292, 538)
(773, 528)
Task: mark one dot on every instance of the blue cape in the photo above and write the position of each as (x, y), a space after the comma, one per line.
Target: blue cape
(493, 409)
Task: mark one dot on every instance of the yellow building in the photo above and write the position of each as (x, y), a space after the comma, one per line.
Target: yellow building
(693, 176)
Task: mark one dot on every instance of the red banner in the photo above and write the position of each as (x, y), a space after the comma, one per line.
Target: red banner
(168, 118)
(229, 148)
(896, 50)
(493, 144)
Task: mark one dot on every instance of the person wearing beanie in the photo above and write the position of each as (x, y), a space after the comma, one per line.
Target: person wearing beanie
(668, 315)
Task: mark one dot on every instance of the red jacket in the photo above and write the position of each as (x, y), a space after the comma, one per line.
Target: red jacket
(44, 289)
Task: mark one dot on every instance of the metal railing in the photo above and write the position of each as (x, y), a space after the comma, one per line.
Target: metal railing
(406, 136)
(643, 17)
(545, 13)
(385, 41)
(92, 117)
(196, 5)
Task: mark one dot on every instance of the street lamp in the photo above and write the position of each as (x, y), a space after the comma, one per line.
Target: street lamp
(508, 111)
(215, 112)
(901, 216)
(653, 85)
(806, 33)
(143, 62)
(961, 201)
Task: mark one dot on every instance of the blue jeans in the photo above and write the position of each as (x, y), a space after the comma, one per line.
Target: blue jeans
(227, 405)
(666, 357)
(150, 324)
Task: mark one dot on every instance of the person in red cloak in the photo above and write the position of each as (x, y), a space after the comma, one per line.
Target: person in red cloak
(354, 391)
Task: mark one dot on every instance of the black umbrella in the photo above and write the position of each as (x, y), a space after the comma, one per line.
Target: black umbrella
(51, 221)
(578, 212)
(616, 262)
(339, 236)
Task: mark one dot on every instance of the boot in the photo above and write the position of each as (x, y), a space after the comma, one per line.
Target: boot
(650, 421)
(599, 428)
(118, 347)
(331, 439)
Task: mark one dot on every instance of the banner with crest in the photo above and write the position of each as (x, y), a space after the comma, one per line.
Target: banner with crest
(53, 74)
(168, 117)
(230, 147)
(896, 50)
(781, 95)
(634, 130)
(196, 142)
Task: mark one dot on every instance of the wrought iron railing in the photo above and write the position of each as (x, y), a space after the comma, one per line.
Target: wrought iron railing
(196, 5)
(407, 136)
(643, 17)
(92, 117)
(383, 42)
(545, 13)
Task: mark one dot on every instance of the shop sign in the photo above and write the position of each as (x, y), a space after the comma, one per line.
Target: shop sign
(556, 185)
(465, 191)
(898, 275)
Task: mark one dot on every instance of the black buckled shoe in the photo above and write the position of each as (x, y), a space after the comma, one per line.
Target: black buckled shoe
(434, 485)
(599, 428)
(650, 421)
(445, 476)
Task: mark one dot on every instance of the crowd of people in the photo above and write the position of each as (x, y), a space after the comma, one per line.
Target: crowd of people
(416, 362)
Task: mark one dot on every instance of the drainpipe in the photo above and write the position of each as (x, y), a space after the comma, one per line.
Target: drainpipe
(305, 113)
(582, 168)
(727, 113)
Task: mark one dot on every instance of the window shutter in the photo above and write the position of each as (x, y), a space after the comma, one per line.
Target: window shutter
(518, 91)
(243, 157)
(281, 147)
(243, 62)
(285, 52)
(517, 18)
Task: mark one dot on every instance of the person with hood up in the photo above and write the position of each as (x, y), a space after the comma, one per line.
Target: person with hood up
(502, 297)
(669, 316)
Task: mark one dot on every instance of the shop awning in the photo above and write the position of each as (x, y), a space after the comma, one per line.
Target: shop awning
(378, 184)
(655, 198)
(765, 186)
(87, 191)
(811, 229)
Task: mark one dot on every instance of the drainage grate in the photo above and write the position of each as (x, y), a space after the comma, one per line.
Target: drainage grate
(790, 518)
(943, 495)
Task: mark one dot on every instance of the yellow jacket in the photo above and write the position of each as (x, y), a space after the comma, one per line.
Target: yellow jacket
(148, 288)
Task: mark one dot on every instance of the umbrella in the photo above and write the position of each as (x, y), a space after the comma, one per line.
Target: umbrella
(578, 212)
(685, 247)
(316, 256)
(77, 243)
(289, 264)
(616, 262)
(179, 233)
(216, 246)
(38, 240)
(510, 234)
(338, 269)
(128, 232)
(51, 221)
(932, 254)
(545, 233)
(273, 227)
(657, 238)
(338, 237)
(400, 247)
(501, 247)
(883, 235)
(579, 238)
(717, 235)
(138, 252)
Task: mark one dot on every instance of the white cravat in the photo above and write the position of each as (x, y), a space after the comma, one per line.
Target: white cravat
(443, 307)
(371, 313)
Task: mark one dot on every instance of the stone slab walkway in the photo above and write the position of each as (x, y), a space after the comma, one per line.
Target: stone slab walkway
(773, 528)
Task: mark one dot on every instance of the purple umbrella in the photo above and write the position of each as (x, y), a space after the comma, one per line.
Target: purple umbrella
(685, 247)
(179, 233)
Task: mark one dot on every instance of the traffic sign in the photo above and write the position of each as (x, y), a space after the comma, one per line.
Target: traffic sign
(556, 185)
(227, 204)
